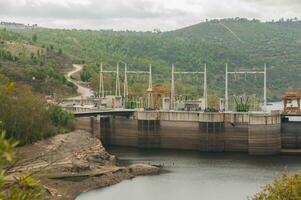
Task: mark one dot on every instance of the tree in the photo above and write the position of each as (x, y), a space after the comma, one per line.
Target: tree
(61, 119)
(34, 38)
(283, 187)
(85, 75)
(24, 114)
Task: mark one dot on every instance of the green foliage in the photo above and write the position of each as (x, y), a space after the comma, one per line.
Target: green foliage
(7, 55)
(25, 187)
(85, 75)
(284, 187)
(24, 114)
(34, 38)
(27, 117)
(20, 60)
(253, 44)
(6, 149)
(6, 35)
(61, 119)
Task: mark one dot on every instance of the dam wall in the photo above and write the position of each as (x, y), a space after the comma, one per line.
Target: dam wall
(264, 135)
(291, 134)
(253, 133)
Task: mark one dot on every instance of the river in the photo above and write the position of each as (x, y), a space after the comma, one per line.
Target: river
(194, 175)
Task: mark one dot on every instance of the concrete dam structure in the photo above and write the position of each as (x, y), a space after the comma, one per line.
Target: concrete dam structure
(253, 133)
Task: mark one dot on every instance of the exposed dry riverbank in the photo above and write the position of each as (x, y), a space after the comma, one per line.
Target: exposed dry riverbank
(72, 163)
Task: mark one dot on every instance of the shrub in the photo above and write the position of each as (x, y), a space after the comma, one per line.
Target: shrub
(283, 187)
(24, 114)
(63, 120)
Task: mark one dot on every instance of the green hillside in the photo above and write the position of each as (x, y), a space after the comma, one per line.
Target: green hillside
(23, 61)
(239, 42)
(276, 43)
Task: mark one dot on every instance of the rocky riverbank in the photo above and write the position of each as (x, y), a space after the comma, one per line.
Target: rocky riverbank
(72, 163)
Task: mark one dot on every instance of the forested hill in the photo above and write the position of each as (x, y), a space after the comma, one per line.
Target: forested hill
(239, 42)
(42, 67)
(276, 43)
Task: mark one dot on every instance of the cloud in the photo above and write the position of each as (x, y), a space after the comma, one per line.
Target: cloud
(141, 14)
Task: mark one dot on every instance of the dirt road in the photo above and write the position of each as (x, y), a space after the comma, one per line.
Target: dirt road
(83, 91)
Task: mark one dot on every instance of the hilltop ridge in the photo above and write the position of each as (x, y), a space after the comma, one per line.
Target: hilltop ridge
(239, 42)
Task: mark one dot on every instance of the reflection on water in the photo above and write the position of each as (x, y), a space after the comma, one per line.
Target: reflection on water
(194, 175)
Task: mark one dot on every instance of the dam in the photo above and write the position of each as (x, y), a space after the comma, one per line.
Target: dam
(165, 121)
(255, 133)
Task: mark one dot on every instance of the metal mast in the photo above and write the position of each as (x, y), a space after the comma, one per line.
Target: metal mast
(172, 90)
(101, 85)
(150, 83)
(125, 89)
(140, 72)
(247, 72)
(187, 73)
(205, 87)
(265, 89)
(226, 89)
(117, 92)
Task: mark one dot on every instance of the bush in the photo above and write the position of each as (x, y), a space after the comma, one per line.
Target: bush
(24, 114)
(27, 117)
(284, 187)
(63, 120)
(34, 38)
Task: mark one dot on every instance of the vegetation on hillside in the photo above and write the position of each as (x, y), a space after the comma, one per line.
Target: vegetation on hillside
(276, 43)
(241, 43)
(41, 67)
(27, 117)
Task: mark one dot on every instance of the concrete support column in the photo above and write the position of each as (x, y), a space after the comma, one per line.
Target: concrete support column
(264, 134)
(149, 134)
(148, 130)
(93, 125)
(105, 129)
(290, 134)
(211, 128)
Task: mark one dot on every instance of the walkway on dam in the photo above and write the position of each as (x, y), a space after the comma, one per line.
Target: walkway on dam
(115, 112)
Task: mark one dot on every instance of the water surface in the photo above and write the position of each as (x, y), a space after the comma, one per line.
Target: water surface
(194, 175)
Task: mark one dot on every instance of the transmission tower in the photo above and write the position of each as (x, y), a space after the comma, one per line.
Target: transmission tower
(172, 91)
(264, 72)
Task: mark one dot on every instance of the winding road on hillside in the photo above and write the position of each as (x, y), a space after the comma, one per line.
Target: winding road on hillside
(83, 91)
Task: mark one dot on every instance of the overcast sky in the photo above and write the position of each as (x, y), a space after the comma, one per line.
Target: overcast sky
(140, 14)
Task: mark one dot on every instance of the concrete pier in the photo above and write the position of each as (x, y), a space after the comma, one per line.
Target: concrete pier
(253, 133)
(264, 135)
(291, 134)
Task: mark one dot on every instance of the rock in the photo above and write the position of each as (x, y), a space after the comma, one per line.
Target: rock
(79, 166)
(96, 159)
(101, 158)
(142, 169)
